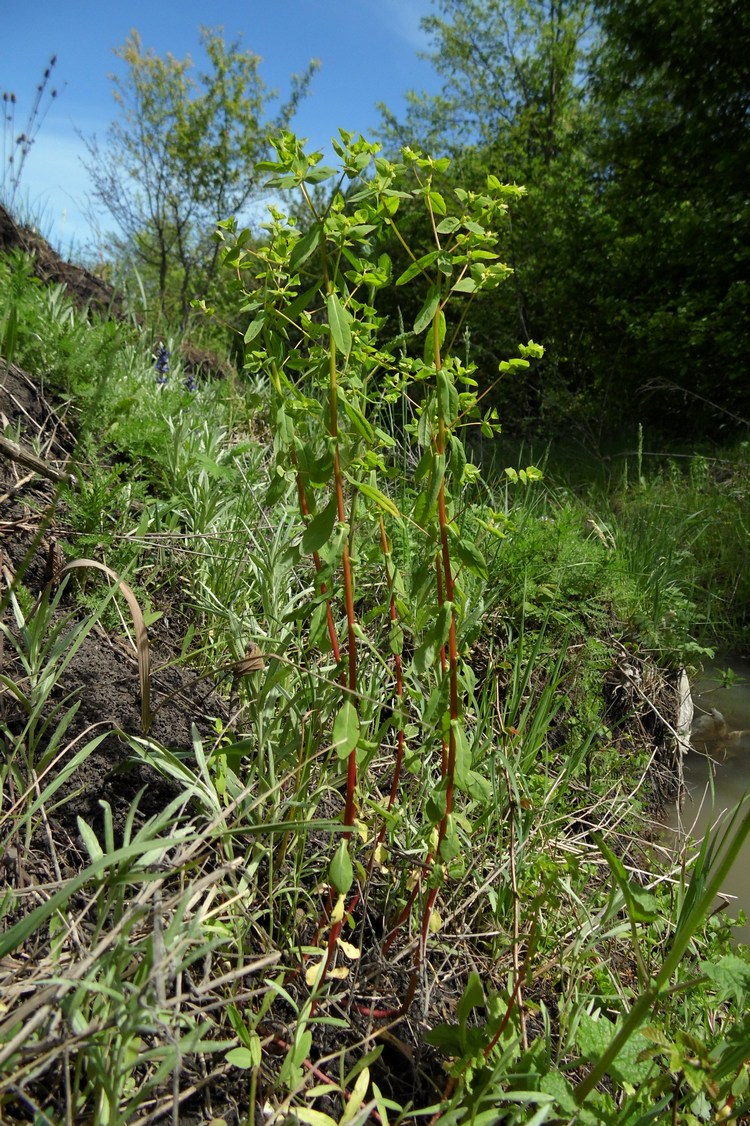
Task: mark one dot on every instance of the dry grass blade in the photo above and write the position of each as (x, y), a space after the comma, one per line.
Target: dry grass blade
(141, 633)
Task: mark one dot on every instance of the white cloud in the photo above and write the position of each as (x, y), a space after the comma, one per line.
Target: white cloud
(403, 19)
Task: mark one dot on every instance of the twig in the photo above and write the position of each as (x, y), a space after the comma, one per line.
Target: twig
(25, 457)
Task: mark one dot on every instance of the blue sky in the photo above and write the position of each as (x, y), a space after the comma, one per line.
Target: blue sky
(368, 51)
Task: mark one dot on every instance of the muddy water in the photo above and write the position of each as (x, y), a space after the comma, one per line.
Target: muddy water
(721, 732)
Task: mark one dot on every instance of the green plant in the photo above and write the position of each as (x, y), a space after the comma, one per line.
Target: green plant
(317, 288)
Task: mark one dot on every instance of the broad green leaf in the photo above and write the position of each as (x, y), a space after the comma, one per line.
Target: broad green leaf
(89, 838)
(319, 636)
(356, 1097)
(339, 321)
(428, 499)
(426, 654)
(320, 174)
(458, 459)
(429, 339)
(240, 1057)
(346, 729)
(423, 465)
(437, 203)
(471, 998)
(448, 1038)
(469, 555)
(643, 907)
(464, 285)
(396, 638)
(451, 844)
(255, 327)
(437, 803)
(479, 787)
(462, 772)
(448, 225)
(731, 975)
(594, 1035)
(447, 396)
(341, 872)
(319, 530)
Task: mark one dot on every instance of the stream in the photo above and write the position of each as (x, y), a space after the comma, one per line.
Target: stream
(721, 735)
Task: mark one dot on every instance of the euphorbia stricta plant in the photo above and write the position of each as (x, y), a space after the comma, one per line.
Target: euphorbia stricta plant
(310, 293)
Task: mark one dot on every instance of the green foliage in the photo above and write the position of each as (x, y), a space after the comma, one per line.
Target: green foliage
(672, 84)
(513, 104)
(627, 125)
(182, 156)
(327, 438)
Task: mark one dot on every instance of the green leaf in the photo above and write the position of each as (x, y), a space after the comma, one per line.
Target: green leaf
(427, 500)
(424, 465)
(643, 907)
(320, 174)
(428, 310)
(462, 771)
(448, 226)
(458, 460)
(429, 340)
(341, 873)
(447, 1037)
(346, 730)
(418, 267)
(240, 1057)
(553, 1083)
(447, 396)
(319, 636)
(305, 246)
(375, 494)
(320, 528)
(89, 838)
(437, 203)
(396, 638)
(255, 327)
(464, 285)
(469, 555)
(594, 1035)
(731, 975)
(437, 803)
(338, 322)
(358, 420)
(426, 654)
(472, 998)
(479, 787)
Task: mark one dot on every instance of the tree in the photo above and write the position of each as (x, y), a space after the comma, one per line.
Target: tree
(512, 79)
(183, 156)
(514, 104)
(673, 83)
